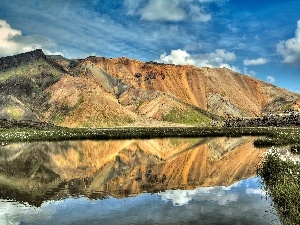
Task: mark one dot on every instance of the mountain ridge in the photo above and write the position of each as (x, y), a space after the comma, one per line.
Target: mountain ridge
(202, 87)
(98, 91)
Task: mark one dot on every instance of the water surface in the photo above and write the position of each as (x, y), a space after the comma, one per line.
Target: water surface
(156, 181)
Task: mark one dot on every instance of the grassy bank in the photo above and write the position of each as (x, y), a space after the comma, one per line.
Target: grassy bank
(273, 136)
(281, 179)
(280, 136)
(25, 134)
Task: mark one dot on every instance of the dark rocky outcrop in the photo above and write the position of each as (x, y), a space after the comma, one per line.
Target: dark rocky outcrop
(62, 63)
(21, 59)
(26, 58)
(269, 120)
(4, 123)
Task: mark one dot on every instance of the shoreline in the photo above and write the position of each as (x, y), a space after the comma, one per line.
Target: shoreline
(273, 135)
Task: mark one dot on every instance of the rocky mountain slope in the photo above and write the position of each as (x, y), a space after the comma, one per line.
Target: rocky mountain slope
(206, 88)
(97, 92)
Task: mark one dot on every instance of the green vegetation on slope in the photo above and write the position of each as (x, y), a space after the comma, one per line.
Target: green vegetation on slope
(188, 116)
(15, 112)
(94, 122)
(22, 89)
(281, 178)
(33, 69)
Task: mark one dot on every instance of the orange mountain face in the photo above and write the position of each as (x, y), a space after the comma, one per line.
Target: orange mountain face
(206, 88)
(102, 92)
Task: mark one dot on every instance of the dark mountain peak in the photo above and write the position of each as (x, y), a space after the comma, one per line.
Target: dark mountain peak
(21, 59)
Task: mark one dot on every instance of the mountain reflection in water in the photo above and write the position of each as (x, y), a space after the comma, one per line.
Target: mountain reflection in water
(41, 173)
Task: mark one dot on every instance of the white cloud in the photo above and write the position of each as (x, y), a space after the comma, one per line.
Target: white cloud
(232, 28)
(198, 14)
(216, 1)
(233, 68)
(132, 6)
(105, 33)
(255, 62)
(249, 72)
(179, 57)
(220, 55)
(205, 1)
(167, 10)
(7, 31)
(216, 59)
(174, 28)
(170, 10)
(271, 79)
(193, 46)
(290, 49)
(12, 41)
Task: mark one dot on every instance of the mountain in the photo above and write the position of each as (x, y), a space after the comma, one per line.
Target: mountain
(24, 79)
(105, 92)
(218, 90)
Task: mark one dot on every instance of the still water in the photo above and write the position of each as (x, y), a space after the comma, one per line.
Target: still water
(156, 181)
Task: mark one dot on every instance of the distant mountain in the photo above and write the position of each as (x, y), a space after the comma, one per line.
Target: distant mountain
(24, 79)
(218, 90)
(97, 92)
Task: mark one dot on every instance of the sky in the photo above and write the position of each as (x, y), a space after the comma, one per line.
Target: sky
(260, 38)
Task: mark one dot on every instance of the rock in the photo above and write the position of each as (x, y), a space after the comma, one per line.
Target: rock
(270, 120)
(4, 123)
(21, 59)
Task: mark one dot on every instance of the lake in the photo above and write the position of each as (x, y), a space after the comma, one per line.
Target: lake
(155, 181)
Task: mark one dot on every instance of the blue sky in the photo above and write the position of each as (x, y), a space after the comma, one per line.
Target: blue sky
(258, 38)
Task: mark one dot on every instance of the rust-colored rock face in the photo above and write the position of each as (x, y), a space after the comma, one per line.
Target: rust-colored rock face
(102, 92)
(218, 90)
(78, 102)
(296, 105)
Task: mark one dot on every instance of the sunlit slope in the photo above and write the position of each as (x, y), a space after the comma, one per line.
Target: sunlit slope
(77, 93)
(79, 102)
(102, 92)
(218, 90)
(147, 103)
(23, 80)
